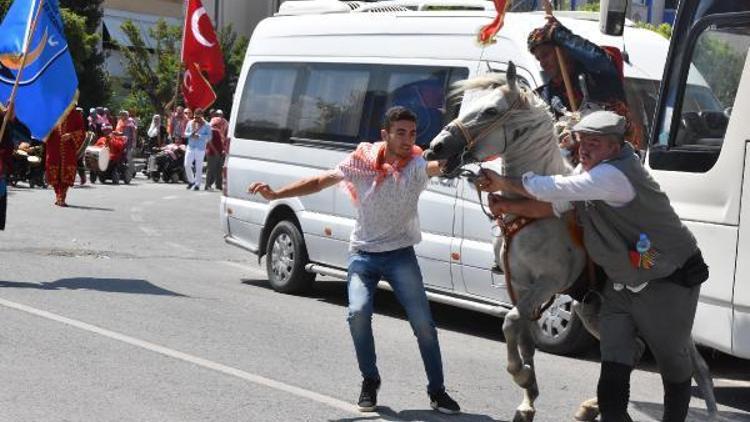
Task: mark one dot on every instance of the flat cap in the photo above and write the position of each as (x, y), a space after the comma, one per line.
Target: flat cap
(601, 123)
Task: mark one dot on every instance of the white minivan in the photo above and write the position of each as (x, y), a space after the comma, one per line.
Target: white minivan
(317, 79)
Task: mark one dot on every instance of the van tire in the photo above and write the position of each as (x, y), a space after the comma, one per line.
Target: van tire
(569, 337)
(286, 257)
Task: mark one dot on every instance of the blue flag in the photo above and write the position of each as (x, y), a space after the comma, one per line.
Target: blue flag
(48, 87)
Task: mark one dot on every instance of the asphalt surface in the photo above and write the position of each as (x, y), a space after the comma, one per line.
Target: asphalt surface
(128, 306)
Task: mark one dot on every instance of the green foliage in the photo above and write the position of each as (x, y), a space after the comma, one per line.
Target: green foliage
(153, 75)
(591, 7)
(665, 29)
(233, 48)
(720, 65)
(82, 19)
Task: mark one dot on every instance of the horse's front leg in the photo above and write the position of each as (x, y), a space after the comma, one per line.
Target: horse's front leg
(512, 331)
(526, 411)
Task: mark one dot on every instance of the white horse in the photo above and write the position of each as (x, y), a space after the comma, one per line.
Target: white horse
(543, 258)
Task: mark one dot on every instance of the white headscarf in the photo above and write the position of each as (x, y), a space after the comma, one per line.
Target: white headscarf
(153, 130)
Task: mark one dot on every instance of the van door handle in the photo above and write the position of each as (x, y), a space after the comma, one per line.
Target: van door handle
(449, 183)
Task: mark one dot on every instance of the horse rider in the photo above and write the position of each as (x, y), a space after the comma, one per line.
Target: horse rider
(652, 261)
(599, 67)
(384, 180)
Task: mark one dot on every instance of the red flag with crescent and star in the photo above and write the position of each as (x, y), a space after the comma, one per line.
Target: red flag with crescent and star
(487, 33)
(196, 89)
(199, 43)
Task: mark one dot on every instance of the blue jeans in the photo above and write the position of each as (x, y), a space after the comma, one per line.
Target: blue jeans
(401, 270)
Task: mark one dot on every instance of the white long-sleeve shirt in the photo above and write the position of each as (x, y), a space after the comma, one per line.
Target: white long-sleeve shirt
(604, 182)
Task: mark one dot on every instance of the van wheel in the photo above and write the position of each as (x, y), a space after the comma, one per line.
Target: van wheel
(286, 257)
(560, 331)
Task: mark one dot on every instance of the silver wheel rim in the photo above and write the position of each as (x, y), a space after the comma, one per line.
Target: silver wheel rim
(282, 257)
(555, 321)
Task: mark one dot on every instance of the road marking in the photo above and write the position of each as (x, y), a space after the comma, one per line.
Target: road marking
(228, 370)
(170, 197)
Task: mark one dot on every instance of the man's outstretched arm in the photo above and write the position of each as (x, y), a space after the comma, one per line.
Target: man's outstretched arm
(301, 187)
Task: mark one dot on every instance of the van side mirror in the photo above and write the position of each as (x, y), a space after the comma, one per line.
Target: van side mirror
(612, 16)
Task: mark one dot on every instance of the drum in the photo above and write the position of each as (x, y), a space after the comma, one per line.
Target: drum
(33, 159)
(96, 158)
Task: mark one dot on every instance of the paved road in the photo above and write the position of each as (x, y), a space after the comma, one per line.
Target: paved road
(128, 306)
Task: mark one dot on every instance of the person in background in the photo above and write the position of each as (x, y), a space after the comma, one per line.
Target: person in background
(126, 127)
(61, 162)
(198, 133)
(214, 156)
(157, 133)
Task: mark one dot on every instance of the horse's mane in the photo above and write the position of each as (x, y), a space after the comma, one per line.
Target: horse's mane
(493, 80)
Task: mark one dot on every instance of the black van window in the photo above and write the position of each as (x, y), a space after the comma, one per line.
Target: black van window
(691, 136)
(330, 103)
(266, 101)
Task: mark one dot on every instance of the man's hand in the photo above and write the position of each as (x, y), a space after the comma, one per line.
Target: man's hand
(263, 189)
(488, 181)
(498, 205)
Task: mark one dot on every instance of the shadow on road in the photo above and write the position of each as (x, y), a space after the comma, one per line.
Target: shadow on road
(694, 415)
(81, 207)
(114, 285)
(387, 414)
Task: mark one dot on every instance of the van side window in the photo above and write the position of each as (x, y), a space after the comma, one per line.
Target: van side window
(266, 101)
(424, 92)
(341, 104)
(691, 137)
(331, 103)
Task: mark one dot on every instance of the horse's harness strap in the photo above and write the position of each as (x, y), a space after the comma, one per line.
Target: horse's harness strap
(510, 229)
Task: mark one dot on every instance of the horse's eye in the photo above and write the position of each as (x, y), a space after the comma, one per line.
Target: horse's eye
(490, 112)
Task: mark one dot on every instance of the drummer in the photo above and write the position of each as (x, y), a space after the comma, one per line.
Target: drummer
(114, 142)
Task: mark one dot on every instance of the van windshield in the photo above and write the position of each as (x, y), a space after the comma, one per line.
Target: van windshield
(642, 95)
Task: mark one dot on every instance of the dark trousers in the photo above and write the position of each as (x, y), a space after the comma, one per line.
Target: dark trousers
(213, 170)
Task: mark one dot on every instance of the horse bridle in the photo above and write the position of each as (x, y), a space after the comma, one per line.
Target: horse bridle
(470, 141)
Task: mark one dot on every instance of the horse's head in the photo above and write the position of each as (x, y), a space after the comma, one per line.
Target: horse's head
(477, 134)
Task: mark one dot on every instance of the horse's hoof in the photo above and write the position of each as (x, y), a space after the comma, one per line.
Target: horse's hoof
(524, 378)
(524, 415)
(588, 410)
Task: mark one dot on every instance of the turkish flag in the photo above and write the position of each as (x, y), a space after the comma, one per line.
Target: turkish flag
(196, 89)
(199, 43)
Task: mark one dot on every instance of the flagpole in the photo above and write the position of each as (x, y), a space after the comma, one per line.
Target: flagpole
(182, 52)
(563, 67)
(27, 43)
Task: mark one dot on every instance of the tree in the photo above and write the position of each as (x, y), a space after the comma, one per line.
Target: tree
(87, 56)
(153, 74)
(81, 19)
(233, 49)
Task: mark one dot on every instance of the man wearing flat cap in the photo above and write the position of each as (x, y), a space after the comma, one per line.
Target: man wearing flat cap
(652, 262)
